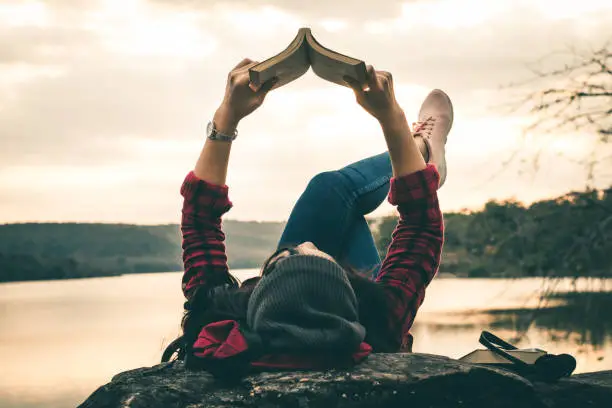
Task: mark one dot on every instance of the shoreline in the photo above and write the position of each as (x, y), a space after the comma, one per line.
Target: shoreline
(439, 276)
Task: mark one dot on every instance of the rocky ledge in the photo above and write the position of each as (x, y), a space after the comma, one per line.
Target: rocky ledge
(384, 380)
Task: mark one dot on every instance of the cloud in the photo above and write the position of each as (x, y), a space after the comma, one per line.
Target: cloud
(110, 98)
(317, 9)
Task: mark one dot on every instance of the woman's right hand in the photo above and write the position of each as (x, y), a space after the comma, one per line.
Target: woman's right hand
(378, 99)
(241, 97)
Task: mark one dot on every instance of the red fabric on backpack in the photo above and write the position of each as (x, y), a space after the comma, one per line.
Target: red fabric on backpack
(220, 340)
(224, 340)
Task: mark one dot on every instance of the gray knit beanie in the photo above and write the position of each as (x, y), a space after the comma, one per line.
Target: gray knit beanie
(305, 303)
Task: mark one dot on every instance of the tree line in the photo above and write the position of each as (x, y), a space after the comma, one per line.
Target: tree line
(567, 236)
(38, 251)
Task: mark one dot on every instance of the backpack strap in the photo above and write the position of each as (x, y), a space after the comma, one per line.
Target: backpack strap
(176, 347)
(499, 347)
(549, 367)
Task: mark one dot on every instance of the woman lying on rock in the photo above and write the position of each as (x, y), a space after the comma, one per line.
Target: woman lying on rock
(309, 308)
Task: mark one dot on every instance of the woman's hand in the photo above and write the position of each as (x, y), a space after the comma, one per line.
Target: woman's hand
(378, 99)
(241, 97)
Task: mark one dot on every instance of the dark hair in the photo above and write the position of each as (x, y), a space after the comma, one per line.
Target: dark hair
(229, 302)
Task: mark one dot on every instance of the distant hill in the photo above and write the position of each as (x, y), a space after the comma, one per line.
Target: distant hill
(570, 235)
(33, 251)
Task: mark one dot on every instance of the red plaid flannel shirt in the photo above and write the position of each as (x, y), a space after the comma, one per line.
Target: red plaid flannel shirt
(411, 262)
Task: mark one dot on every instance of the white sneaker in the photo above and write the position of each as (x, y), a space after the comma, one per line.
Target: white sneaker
(435, 122)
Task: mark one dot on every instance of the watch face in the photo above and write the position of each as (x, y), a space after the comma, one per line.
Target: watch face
(213, 134)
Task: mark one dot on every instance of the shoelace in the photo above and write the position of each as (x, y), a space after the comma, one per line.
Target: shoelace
(423, 128)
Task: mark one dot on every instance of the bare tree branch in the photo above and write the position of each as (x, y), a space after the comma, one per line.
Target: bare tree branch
(574, 97)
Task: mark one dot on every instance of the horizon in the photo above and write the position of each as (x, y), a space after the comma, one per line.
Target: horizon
(465, 211)
(103, 105)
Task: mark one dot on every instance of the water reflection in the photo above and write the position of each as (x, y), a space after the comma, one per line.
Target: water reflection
(580, 317)
(569, 322)
(60, 340)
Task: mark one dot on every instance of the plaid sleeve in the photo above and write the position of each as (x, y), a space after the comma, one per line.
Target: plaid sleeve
(414, 254)
(203, 245)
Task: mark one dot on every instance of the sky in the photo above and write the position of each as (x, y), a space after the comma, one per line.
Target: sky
(104, 104)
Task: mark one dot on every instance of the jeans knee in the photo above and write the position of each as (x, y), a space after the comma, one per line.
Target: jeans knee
(325, 181)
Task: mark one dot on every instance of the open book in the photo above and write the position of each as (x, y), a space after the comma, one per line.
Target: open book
(304, 52)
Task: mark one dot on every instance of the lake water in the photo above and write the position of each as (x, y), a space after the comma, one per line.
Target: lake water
(60, 340)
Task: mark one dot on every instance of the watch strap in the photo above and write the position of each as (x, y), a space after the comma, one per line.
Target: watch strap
(214, 134)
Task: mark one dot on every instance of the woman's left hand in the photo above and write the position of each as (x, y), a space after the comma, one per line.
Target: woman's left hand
(241, 97)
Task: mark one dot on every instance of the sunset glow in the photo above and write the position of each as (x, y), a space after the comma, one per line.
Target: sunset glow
(110, 99)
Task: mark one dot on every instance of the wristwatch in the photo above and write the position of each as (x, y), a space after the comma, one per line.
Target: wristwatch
(213, 134)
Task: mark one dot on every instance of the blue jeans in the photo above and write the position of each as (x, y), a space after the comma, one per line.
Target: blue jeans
(330, 212)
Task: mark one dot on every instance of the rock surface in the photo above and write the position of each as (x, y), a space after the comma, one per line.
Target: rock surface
(384, 380)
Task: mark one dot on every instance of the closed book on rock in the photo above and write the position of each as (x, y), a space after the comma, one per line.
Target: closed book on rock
(485, 356)
(535, 364)
(305, 52)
